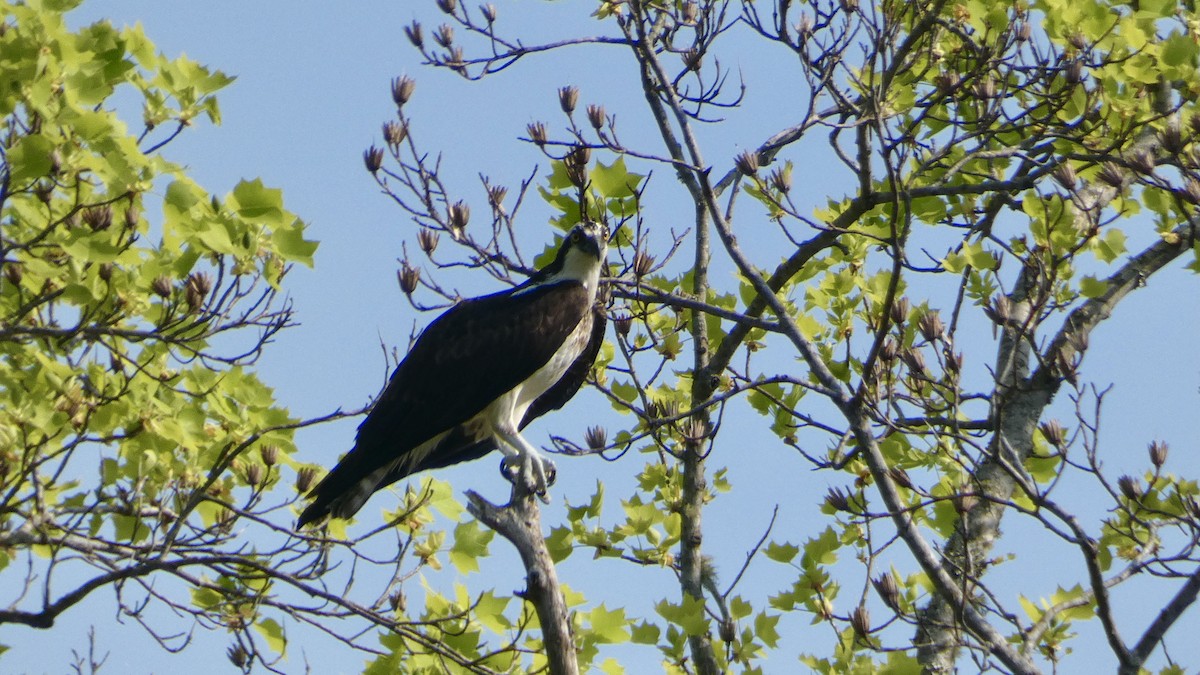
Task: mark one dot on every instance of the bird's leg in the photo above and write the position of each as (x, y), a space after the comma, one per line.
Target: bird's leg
(523, 462)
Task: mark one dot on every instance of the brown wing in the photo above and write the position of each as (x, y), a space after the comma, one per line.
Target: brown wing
(464, 360)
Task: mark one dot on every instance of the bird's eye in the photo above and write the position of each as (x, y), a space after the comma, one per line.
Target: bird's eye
(575, 235)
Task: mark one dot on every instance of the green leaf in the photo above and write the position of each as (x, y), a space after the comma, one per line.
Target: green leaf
(1091, 287)
(783, 553)
(609, 626)
(29, 159)
(765, 628)
(689, 615)
(470, 544)
(273, 633)
(292, 245)
(645, 633)
(256, 202)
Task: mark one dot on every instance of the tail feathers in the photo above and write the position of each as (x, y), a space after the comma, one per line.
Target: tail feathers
(330, 501)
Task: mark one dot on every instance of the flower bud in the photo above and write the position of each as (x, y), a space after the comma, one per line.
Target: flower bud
(568, 97)
(402, 89)
(373, 158)
(1158, 453)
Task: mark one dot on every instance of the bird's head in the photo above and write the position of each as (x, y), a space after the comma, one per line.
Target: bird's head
(581, 255)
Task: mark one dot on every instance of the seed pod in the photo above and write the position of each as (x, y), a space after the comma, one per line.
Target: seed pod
(373, 158)
(1158, 453)
(624, 324)
(394, 133)
(1064, 175)
(254, 474)
(643, 263)
(1024, 31)
(860, 621)
(693, 59)
(1110, 174)
(458, 215)
(915, 361)
(237, 656)
(447, 6)
(568, 97)
(537, 133)
(1130, 487)
(427, 240)
(1191, 191)
(402, 89)
(13, 272)
(489, 12)
(985, 89)
(444, 35)
(838, 500)
(409, 277)
(496, 195)
(931, 326)
(1077, 40)
(889, 350)
(596, 117)
(965, 500)
(803, 28)
(305, 478)
(415, 35)
(1171, 137)
(269, 454)
(781, 179)
(889, 592)
(899, 311)
(747, 163)
(162, 286)
(1053, 433)
(900, 477)
(99, 218)
(595, 438)
(688, 13)
(397, 601)
(1142, 162)
(946, 82)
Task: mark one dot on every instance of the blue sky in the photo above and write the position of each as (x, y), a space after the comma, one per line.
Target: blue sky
(311, 93)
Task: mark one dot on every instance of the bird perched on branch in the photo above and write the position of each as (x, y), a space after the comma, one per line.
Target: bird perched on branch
(476, 376)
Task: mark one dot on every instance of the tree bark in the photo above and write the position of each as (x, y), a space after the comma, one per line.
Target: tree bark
(520, 522)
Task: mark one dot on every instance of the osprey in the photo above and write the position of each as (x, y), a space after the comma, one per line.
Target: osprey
(476, 376)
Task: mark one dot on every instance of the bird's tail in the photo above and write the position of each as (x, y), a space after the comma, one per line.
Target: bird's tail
(337, 497)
